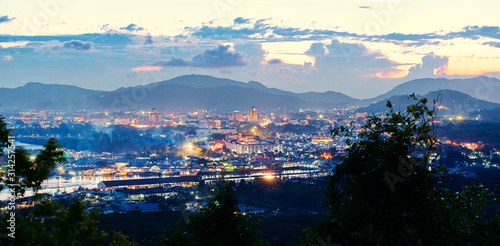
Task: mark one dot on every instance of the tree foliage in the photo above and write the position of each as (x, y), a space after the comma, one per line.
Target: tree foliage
(220, 222)
(51, 224)
(27, 173)
(30, 173)
(388, 190)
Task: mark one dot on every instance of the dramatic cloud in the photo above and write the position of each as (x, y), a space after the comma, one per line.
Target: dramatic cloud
(5, 19)
(274, 61)
(253, 52)
(343, 66)
(241, 20)
(73, 45)
(132, 28)
(218, 57)
(431, 66)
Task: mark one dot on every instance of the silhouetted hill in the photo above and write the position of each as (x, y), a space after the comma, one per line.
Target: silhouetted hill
(454, 102)
(45, 96)
(203, 81)
(491, 115)
(180, 97)
(200, 91)
(482, 87)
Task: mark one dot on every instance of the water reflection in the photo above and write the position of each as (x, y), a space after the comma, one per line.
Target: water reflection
(60, 184)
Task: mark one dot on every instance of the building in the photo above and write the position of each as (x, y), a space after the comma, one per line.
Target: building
(321, 139)
(154, 116)
(236, 117)
(259, 146)
(253, 114)
(360, 115)
(214, 124)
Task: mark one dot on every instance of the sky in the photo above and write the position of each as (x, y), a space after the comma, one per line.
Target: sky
(359, 48)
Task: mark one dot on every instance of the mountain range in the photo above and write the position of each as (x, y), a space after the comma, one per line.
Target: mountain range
(192, 92)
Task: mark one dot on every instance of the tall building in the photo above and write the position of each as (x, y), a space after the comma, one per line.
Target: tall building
(253, 114)
(154, 116)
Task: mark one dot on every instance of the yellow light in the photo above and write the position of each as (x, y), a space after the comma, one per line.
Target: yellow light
(268, 176)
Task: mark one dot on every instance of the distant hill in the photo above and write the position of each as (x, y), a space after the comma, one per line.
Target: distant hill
(482, 87)
(204, 81)
(166, 96)
(454, 102)
(200, 91)
(180, 93)
(38, 95)
(490, 115)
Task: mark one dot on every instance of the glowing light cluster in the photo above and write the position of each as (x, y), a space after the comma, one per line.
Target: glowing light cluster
(218, 146)
(326, 155)
(472, 146)
(265, 123)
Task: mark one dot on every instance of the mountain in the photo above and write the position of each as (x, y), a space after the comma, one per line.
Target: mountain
(204, 81)
(38, 95)
(452, 102)
(482, 87)
(166, 96)
(200, 91)
(490, 115)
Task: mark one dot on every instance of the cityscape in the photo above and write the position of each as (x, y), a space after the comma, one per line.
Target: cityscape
(249, 123)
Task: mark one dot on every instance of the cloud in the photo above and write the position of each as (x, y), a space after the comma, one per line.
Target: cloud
(262, 29)
(493, 44)
(476, 32)
(146, 68)
(73, 45)
(253, 52)
(241, 20)
(7, 57)
(316, 49)
(274, 61)
(347, 50)
(148, 40)
(132, 28)
(431, 66)
(218, 57)
(343, 66)
(5, 19)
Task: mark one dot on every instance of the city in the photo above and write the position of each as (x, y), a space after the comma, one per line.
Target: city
(182, 150)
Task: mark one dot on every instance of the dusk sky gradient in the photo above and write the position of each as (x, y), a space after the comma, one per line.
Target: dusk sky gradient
(360, 48)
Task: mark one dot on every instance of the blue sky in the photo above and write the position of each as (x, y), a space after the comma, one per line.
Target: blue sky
(360, 48)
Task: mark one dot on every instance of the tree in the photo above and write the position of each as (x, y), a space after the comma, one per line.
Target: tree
(388, 190)
(121, 240)
(51, 224)
(220, 222)
(30, 174)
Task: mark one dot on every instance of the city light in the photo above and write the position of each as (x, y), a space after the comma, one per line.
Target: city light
(268, 177)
